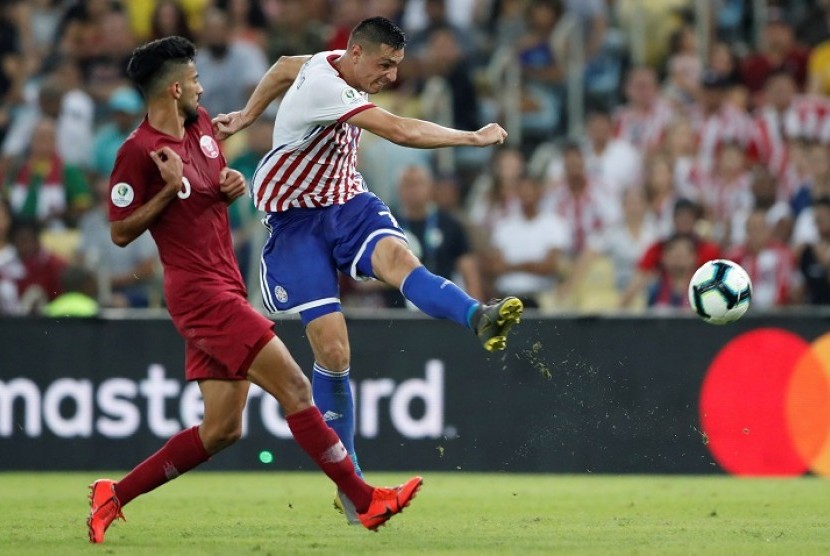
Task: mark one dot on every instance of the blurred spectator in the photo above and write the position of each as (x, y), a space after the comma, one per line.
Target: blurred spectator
(643, 120)
(11, 268)
(580, 202)
(765, 197)
(678, 262)
(680, 148)
(228, 70)
(59, 96)
(660, 193)
(39, 21)
(40, 283)
(717, 121)
(126, 275)
(724, 62)
(78, 297)
(442, 57)
(769, 144)
(684, 67)
(108, 70)
(687, 216)
(812, 164)
(493, 195)
(347, 14)
(46, 188)
(778, 50)
(804, 229)
(247, 21)
(81, 34)
(423, 17)
(291, 31)
(542, 72)
(508, 22)
(436, 237)
(769, 263)
(126, 107)
(168, 19)
(612, 162)
(528, 247)
(814, 257)
(725, 190)
(623, 244)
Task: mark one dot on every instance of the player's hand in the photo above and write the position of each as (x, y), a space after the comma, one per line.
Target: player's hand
(225, 125)
(170, 166)
(231, 183)
(491, 134)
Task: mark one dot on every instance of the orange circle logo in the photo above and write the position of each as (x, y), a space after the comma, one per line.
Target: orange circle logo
(765, 404)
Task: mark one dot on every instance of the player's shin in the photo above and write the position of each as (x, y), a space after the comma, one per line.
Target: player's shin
(180, 454)
(323, 446)
(438, 297)
(332, 394)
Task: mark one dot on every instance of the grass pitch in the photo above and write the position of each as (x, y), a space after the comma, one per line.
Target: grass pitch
(458, 513)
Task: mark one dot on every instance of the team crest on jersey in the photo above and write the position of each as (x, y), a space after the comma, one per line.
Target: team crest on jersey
(122, 194)
(350, 96)
(209, 146)
(282, 295)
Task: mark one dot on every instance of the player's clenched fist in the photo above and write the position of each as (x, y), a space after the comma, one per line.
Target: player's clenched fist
(491, 134)
(170, 166)
(231, 183)
(225, 125)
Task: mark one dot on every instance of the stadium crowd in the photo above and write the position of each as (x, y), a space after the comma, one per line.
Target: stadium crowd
(702, 145)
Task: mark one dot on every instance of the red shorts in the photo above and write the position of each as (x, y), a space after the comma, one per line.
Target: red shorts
(222, 338)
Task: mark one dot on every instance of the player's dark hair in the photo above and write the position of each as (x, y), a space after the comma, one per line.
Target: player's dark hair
(377, 31)
(151, 64)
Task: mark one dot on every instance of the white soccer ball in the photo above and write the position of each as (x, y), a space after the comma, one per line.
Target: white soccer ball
(720, 291)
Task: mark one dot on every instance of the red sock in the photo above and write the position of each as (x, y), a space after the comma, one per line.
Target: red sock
(325, 448)
(180, 454)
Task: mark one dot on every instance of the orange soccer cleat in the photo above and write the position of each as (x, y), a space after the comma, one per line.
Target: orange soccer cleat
(387, 502)
(104, 508)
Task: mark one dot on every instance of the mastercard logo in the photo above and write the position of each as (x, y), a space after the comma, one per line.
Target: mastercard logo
(765, 404)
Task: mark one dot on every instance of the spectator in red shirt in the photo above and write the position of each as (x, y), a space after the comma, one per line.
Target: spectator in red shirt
(686, 216)
(780, 51)
(677, 265)
(41, 282)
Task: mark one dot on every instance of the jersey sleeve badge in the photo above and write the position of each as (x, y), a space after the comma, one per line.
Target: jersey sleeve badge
(122, 194)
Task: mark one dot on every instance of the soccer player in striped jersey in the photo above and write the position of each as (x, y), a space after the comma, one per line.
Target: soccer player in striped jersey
(170, 178)
(322, 218)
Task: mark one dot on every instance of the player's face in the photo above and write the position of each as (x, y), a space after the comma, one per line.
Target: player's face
(191, 90)
(377, 67)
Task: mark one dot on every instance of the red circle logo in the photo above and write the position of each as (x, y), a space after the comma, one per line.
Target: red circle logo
(765, 404)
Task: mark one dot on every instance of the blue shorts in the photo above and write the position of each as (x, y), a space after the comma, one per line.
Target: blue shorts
(307, 246)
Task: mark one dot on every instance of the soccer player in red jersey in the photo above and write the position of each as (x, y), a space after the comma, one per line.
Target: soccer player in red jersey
(171, 178)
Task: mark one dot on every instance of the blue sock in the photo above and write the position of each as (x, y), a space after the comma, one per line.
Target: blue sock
(333, 397)
(438, 297)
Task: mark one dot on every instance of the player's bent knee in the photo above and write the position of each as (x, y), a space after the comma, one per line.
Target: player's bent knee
(220, 437)
(334, 356)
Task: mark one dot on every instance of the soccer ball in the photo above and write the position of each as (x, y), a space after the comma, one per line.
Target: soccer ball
(720, 291)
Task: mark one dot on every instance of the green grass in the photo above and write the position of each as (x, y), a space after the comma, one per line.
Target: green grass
(460, 513)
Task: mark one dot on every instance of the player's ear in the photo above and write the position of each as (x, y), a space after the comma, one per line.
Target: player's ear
(176, 90)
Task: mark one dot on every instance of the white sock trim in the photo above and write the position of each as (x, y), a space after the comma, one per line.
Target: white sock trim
(331, 374)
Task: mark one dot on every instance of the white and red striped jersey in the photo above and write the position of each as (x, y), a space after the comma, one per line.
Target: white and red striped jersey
(644, 130)
(586, 215)
(312, 162)
(772, 271)
(727, 125)
(806, 117)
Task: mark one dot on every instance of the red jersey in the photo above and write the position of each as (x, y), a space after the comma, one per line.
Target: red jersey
(650, 261)
(192, 233)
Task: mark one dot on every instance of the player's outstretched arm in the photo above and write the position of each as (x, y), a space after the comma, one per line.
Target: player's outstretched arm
(420, 134)
(123, 232)
(273, 84)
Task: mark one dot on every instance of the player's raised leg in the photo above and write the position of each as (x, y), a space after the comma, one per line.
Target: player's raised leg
(224, 401)
(438, 297)
(277, 373)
